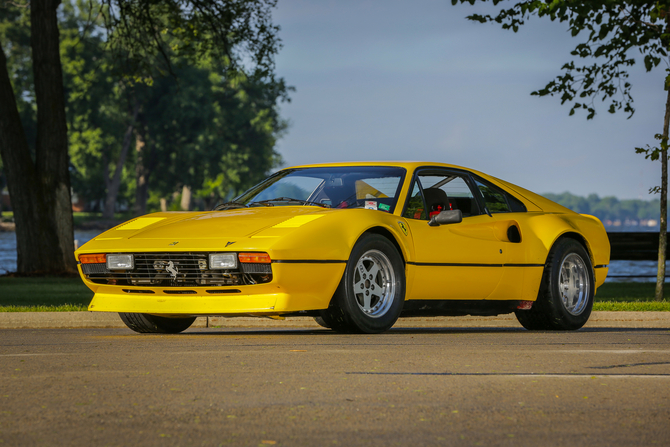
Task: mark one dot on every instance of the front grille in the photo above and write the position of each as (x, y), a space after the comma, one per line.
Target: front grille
(177, 270)
(257, 268)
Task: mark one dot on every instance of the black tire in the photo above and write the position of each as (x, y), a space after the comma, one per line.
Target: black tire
(333, 318)
(371, 293)
(565, 299)
(321, 322)
(153, 324)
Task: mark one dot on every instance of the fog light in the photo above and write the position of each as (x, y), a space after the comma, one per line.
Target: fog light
(120, 262)
(222, 261)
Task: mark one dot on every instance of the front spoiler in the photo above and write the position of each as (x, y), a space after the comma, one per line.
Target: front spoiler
(294, 287)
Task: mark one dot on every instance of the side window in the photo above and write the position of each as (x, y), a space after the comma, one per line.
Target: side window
(440, 192)
(497, 200)
(415, 206)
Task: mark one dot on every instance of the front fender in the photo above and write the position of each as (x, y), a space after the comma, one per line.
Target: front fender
(333, 236)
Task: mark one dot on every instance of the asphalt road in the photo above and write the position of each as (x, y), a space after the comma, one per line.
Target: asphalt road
(304, 387)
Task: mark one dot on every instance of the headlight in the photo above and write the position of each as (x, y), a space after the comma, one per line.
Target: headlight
(120, 262)
(222, 261)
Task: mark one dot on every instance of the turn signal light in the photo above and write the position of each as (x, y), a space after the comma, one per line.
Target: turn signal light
(98, 258)
(254, 258)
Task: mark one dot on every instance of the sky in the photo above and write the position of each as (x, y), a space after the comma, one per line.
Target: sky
(399, 80)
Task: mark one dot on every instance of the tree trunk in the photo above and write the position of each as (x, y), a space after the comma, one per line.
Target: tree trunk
(141, 177)
(662, 237)
(114, 183)
(186, 195)
(146, 163)
(39, 189)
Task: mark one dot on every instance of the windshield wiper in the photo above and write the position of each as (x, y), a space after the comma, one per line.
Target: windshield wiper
(270, 202)
(229, 205)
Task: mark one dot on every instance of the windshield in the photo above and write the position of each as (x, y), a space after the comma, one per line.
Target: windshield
(372, 187)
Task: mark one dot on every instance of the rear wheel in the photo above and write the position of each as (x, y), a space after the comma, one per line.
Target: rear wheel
(371, 294)
(566, 293)
(148, 324)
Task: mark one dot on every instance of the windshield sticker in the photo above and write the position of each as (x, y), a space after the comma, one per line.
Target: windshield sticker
(384, 207)
(370, 205)
(403, 227)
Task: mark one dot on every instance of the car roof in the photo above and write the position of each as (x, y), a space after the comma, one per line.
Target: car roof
(401, 164)
(533, 201)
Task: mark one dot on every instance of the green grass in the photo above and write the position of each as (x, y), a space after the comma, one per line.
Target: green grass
(43, 294)
(630, 296)
(628, 291)
(636, 306)
(62, 308)
(50, 294)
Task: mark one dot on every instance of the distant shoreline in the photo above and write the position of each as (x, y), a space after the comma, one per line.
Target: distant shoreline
(101, 225)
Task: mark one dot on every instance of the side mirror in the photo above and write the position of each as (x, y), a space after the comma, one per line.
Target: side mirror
(446, 217)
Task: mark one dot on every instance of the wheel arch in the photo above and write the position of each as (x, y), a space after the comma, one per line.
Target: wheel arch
(577, 238)
(345, 309)
(388, 235)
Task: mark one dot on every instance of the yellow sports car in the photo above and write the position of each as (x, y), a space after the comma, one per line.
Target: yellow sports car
(355, 245)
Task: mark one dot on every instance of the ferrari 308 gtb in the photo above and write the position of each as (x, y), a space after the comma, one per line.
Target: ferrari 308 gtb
(356, 246)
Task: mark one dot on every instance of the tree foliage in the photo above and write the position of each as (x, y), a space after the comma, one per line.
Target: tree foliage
(609, 208)
(103, 58)
(209, 130)
(618, 33)
(210, 126)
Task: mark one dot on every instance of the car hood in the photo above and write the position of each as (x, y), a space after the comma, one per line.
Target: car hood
(199, 230)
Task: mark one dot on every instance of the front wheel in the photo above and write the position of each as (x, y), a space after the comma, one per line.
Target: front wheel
(153, 324)
(566, 293)
(371, 294)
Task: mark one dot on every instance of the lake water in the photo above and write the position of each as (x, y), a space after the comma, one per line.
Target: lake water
(619, 270)
(8, 247)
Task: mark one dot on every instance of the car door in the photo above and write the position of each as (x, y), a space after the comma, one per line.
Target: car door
(461, 261)
(520, 279)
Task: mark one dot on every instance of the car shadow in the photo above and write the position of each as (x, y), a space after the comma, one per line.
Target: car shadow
(219, 331)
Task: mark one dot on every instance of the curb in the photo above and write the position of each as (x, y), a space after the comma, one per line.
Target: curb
(62, 320)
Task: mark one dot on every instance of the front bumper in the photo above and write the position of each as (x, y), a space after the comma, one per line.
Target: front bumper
(601, 275)
(294, 287)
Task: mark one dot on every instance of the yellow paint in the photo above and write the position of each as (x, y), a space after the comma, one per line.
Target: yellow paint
(298, 294)
(298, 221)
(479, 245)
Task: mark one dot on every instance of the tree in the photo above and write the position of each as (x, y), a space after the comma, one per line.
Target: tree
(138, 35)
(211, 133)
(614, 29)
(39, 187)
(190, 123)
(101, 108)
